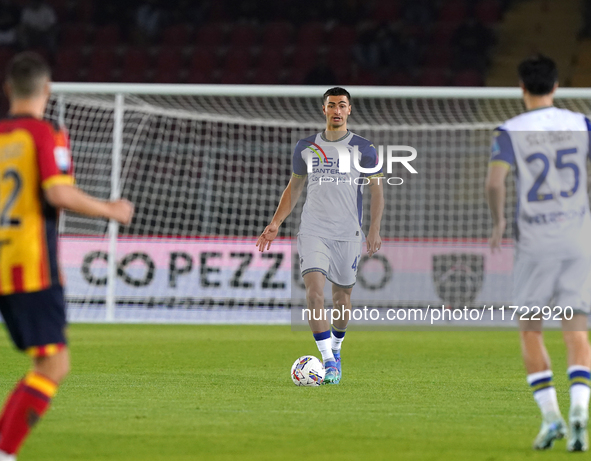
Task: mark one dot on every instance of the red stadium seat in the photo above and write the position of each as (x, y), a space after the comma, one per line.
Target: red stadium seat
(243, 35)
(271, 59)
(311, 36)
(386, 10)
(453, 12)
(177, 35)
(360, 78)
(488, 12)
(107, 36)
(101, 65)
(136, 63)
(339, 56)
(233, 78)
(6, 55)
(296, 76)
(304, 58)
(277, 34)
(68, 63)
(73, 34)
(399, 79)
(438, 57)
(237, 61)
(202, 61)
(263, 76)
(197, 76)
(210, 35)
(442, 34)
(342, 36)
(468, 78)
(433, 77)
(168, 65)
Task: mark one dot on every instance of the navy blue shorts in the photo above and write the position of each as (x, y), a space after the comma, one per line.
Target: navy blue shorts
(36, 321)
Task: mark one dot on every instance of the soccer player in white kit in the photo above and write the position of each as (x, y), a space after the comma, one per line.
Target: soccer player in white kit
(330, 238)
(548, 149)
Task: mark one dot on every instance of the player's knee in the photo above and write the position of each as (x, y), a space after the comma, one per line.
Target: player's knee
(315, 297)
(576, 339)
(55, 367)
(339, 299)
(531, 335)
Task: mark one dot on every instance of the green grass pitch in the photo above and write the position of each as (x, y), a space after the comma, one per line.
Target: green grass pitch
(154, 392)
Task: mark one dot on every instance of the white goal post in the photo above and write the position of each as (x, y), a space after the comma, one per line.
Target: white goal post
(205, 166)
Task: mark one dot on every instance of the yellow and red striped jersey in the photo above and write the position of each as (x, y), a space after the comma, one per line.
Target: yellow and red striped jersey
(34, 155)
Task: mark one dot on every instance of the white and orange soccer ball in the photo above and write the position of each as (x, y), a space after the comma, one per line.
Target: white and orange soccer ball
(307, 371)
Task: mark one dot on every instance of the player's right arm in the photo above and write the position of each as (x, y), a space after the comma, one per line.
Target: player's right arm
(73, 199)
(57, 182)
(288, 201)
(289, 198)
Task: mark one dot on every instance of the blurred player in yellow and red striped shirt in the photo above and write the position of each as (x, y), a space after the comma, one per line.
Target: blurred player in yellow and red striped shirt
(36, 181)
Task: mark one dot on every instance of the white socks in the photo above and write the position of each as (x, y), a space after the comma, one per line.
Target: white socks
(579, 386)
(544, 392)
(6, 457)
(324, 343)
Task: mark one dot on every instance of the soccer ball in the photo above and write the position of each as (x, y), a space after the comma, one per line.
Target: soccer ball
(307, 371)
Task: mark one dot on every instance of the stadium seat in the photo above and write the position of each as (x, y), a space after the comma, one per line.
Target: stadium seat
(438, 57)
(233, 78)
(342, 36)
(399, 79)
(311, 36)
(433, 77)
(176, 35)
(468, 78)
(73, 34)
(453, 12)
(339, 54)
(271, 59)
(243, 35)
(488, 12)
(135, 67)
(68, 63)
(168, 65)
(263, 76)
(277, 34)
(202, 62)
(304, 58)
(386, 11)
(108, 35)
(101, 65)
(6, 55)
(210, 35)
(237, 61)
(296, 76)
(85, 11)
(358, 78)
(442, 34)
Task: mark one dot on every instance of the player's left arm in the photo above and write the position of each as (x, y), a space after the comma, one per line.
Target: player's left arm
(502, 158)
(496, 193)
(376, 189)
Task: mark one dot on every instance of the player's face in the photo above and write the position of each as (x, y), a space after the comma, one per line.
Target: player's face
(336, 109)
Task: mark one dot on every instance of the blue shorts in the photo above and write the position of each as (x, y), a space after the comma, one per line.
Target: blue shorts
(36, 321)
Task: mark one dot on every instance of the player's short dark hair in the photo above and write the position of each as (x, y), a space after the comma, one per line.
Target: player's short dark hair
(539, 74)
(336, 91)
(25, 74)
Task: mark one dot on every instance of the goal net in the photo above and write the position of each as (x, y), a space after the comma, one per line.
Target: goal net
(205, 167)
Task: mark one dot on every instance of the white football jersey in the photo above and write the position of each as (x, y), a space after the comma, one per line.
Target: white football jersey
(548, 149)
(334, 206)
